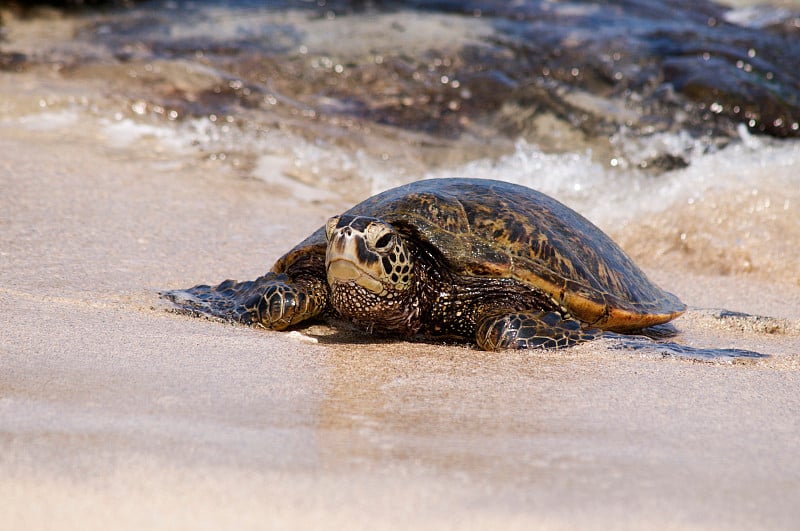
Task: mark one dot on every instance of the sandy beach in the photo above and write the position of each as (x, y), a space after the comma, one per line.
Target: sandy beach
(144, 152)
(115, 413)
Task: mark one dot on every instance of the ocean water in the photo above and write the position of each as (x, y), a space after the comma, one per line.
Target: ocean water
(672, 125)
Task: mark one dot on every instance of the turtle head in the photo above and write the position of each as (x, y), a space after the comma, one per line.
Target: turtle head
(371, 273)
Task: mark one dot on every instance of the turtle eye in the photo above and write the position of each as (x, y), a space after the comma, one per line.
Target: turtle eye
(385, 242)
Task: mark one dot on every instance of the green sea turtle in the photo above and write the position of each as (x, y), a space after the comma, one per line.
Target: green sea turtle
(497, 263)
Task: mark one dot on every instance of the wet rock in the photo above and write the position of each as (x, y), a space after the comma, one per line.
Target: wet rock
(12, 61)
(567, 76)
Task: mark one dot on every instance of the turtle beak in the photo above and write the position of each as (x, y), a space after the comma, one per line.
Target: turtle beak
(343, 270)
(349, 260)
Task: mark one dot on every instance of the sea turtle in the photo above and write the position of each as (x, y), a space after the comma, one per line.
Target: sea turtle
(497, 263)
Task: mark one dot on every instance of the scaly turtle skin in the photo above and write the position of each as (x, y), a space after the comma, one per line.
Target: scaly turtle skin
(494, 262)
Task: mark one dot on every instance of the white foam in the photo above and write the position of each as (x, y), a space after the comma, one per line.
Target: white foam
(125, 132)
(49, 120)
(757, 16)
(610, 196)
(274, 170)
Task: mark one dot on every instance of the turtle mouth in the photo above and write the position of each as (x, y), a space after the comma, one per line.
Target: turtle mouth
(344, 271)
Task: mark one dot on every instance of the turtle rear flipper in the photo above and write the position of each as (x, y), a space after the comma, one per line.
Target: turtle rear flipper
(528, 330)
(669, 349)
(272, 301)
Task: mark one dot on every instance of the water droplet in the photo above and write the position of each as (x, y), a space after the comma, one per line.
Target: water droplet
(139, 107)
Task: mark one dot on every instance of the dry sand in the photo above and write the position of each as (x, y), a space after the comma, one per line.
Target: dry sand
(115, 414)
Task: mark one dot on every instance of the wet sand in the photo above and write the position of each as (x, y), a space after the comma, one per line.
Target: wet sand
(117, 414)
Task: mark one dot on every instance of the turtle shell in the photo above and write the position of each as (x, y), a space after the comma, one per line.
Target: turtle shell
(497, 229)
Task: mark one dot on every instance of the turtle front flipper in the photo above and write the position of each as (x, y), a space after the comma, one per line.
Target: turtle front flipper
(274, 300)
(283, 303)
(528, 330)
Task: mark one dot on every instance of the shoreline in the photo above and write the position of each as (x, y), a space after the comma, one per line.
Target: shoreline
(116, 413)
